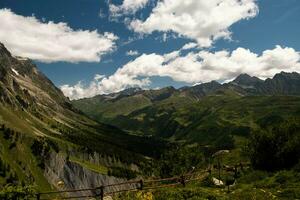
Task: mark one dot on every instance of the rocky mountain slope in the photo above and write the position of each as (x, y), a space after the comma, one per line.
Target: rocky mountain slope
(39, 124)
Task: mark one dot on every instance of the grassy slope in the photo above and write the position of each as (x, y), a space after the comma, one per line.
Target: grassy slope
(102, 110)
(23, 162)
(208, 118)
(259, 185)
(105, 108)
(78, 133)
(93, 167)
(239, 112)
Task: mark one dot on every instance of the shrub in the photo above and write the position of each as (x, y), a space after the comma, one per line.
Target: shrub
(121, 172)
(17, 192)
(275, 149)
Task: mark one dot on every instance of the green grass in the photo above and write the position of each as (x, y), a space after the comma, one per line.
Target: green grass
(93, 167)
(211, 116)
(257, 185)
(103, 110)
(14, 119)
(23, 162)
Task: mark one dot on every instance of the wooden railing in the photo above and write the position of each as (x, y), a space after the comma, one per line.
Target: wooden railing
(136, 185)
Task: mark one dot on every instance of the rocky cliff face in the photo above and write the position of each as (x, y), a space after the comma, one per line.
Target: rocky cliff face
(282, 84)
(73, 176)
(21, 77)
(201, 90)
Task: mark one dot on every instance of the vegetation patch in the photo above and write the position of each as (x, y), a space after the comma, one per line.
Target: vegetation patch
(88, 165)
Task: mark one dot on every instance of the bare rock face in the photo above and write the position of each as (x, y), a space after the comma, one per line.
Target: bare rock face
(65, 175)
(23, 85)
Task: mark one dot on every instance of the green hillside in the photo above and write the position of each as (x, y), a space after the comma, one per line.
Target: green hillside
(40, 130)
(213, 116)
(260, 129)
(107, 107)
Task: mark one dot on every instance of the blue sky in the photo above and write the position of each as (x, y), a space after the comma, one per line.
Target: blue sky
(276, 23)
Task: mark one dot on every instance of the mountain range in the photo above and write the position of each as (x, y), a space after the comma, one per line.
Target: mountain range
(168, 111)
(47, 139)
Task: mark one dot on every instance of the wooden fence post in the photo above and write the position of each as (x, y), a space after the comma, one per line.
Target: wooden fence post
(235, 171)
(100, 193)
(141, 184)
(182, 180)
(38, 196)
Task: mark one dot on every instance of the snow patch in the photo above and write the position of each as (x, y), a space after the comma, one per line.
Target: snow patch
(15, 71)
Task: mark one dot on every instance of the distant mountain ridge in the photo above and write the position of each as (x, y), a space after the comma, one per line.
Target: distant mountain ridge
(281, 84)
(132, 99)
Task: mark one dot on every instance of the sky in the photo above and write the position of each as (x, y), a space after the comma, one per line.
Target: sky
(90, 47)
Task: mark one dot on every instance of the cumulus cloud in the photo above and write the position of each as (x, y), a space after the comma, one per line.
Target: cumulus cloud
(51, 42)
(190, 45)
(171, 56)
(127, 7)
(132, 53)
(192, 68)
(201, 20)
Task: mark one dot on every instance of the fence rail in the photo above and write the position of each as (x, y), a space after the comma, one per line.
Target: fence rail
(100, 193)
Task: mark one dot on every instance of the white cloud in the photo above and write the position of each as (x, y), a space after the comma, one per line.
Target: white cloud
(201, 20)
(190, 45)
(132, 53)
(195, 67)
(171, 56)
(98, 77)
(127, 7)
(51, 42)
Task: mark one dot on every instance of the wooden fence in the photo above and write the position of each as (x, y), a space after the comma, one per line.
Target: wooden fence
(136, 185)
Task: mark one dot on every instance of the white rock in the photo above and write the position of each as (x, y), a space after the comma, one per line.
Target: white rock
(217, 182)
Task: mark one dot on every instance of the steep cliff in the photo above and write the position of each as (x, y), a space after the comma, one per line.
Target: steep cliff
(64, 174)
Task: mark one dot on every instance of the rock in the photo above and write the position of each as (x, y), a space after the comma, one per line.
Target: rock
(108, 198)
(73, 176)
(217, 182)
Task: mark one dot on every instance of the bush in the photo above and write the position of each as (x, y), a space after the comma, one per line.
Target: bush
(122, 172)
(253, 176)
(180, 160)
(17, 192)
(207, 182)
(225, 142)
(275, 149)
(41, 150)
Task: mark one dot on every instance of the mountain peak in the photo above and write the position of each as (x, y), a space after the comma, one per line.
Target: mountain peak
(130, 91)
(3, 50)
(246, 80)
(291, 75)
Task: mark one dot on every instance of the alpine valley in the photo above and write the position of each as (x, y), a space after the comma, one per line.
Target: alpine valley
(49, 143)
